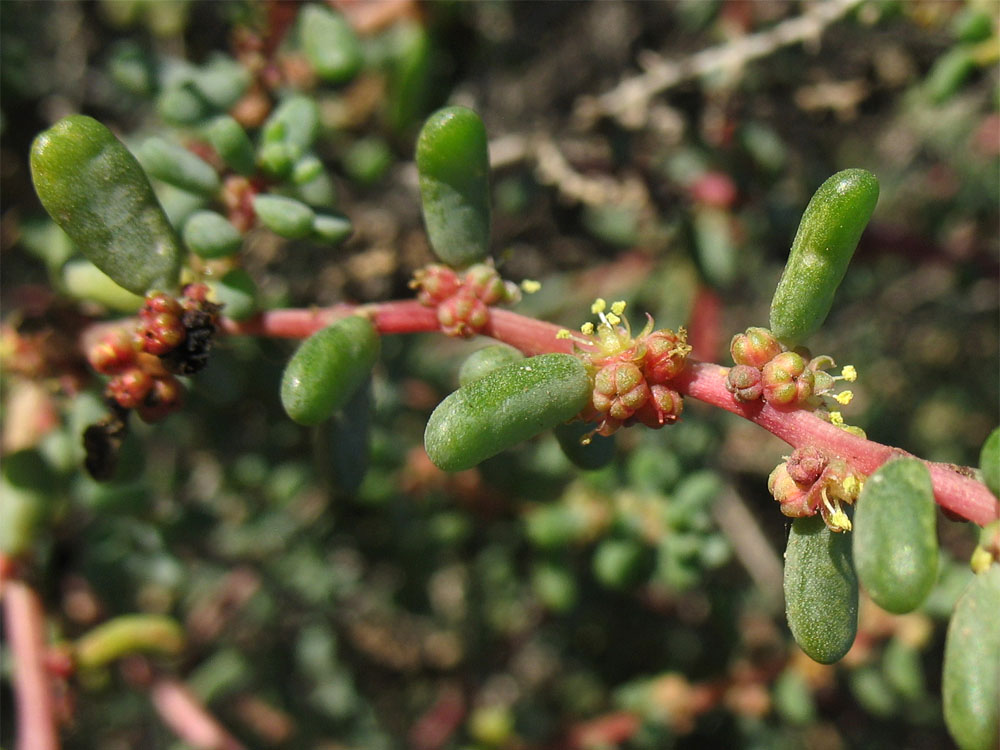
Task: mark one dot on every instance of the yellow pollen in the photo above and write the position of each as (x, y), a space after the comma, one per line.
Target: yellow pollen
(562, 334)
(587, 328)
(618, 307)
(844, 397)
(850, 485)
(613, 319)
(599, 306)
(849, 373)
(530, 286)
(836, 418)
(840, 521)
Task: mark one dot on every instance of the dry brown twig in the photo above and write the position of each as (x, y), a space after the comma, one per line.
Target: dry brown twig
(628, 102)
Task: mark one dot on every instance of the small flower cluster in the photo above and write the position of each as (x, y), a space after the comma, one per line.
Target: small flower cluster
(173, 337)
(812, 482)
(786, 379)
(462, 302)
(630, 373)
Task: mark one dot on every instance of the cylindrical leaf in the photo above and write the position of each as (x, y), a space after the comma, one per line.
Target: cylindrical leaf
(183, 104)
(895, 535)
(222, 81)
(595, 454)
(295, 121)
(85, 281)
(174, 164)
(971, 679)
(128, 634)
(210, 235)
(484, 361)
(231, 143)
(237, 292)
(332, 229)
(349, 437)
(97, 192)
(828, 234)
(504, 408)
(454, 169)
(821, 590)
(330, 44)
(285, 216)
(327, 369)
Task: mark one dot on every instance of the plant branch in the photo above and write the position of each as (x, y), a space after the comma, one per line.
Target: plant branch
(629, 101)
(25, 624)
(181, 710)
(955, 488)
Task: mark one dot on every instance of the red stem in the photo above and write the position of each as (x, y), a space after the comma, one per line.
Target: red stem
(181, 710)
(954, 488)
(25, 621)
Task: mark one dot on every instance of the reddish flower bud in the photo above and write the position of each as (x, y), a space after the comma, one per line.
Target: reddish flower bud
(165, 397)
(794, 498)
(619, 390)
(756, 347)
(162, 332)
(113, 353)
(807, 464)
(194, 295)
(435, 284)
(664, 407)
(484, 282)
(130, 388)
(666, 355)
(159, 302)
(745, 383)
(786, 380)
(462, 315)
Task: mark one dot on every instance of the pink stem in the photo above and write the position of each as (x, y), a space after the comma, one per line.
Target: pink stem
(181, 710)
(25, 621)
(954, 489)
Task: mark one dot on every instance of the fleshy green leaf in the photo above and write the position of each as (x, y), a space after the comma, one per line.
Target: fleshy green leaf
(895, 535)
(176, 165)
(454, 169)
(826, 239)
(284, 216)
(210, 235)
(94, 189)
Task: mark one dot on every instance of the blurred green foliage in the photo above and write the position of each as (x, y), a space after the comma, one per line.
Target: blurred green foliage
(330, 606)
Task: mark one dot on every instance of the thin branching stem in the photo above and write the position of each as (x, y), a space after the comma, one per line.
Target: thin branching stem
(955, 487)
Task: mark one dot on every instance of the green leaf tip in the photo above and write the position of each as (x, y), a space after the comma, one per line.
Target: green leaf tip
(454, 168)
(824, 244)
(97, 192)
(504, 407)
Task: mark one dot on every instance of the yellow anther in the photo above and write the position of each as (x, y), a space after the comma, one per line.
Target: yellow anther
(618, 307)
(562, 333)
(587, 329)
(599, 306)
(613, 319)
(839, 521)
(851, 485)
(844, 397)
(849, 373)
(530, 286)
(836, 418)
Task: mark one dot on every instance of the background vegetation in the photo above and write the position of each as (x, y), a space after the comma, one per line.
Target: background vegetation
(523, 603)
